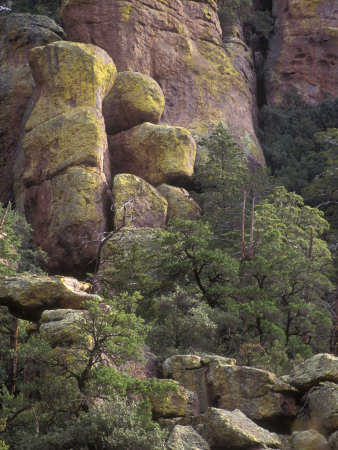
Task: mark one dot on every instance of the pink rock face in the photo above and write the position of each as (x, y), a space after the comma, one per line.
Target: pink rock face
(179, 44)
(18, 34)
(304, 51)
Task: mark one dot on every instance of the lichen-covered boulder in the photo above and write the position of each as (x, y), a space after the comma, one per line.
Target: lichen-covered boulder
(27, 296)
(333, 441)
(134, 99)
(137, 203)
(179, 203)
(232, 429)
(157, 153)
(259, 394)
(176, 403)
(61, 327)
(309, 440)
(69, 75)
(186, 438)
(321, 367)
(320, 409)
(62, 169)
(18, 34)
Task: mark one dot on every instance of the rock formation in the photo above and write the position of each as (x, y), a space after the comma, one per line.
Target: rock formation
(18, 34)
(179, 203)
(179, 44)
(62, 173)
(304, 50)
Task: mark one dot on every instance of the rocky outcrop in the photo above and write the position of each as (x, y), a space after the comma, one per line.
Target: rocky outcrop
(62, 172)
(178, 402)
(137, 203)
(157, 153)
(18, 34)
(180, 205)
(304, 50)
(179, 44)
(309, 440)
(134, 99)
(232, 428)
(321, 367)
(61, 327)
(186, 438)
(27, 296)
(259, 394)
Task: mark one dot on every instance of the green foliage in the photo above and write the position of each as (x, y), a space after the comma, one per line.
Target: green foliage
(262, 21)
(287, 134)
(49, 8)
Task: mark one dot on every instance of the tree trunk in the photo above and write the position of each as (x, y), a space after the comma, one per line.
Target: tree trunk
(13, 345)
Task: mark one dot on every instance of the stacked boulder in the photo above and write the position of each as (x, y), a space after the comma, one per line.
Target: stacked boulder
(238, 407)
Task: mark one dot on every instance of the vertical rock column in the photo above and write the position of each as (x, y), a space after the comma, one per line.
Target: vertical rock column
(62, 171)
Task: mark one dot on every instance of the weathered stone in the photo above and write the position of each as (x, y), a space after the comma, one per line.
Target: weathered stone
(257, 393)
(69, 75)
(62, 170)
(61, 327)
(232, 429)
(320, 410)
(179, 203)
(304, 50)
(186, 438)
(18, 34)
(26, 296)
(134, 99)
(321, 367)
(176, 403)
(179, 44)
(333, 441)
(156, 153)
(309, 440)
(137, 203)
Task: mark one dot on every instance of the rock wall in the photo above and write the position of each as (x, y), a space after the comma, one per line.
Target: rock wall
(179, 44)
(18, 34)
(304, 50)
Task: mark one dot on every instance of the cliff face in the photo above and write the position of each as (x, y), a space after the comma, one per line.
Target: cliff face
(179, 44)
(304, 50)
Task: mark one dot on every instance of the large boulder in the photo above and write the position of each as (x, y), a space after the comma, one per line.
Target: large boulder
(62, 170)
(232, 429)
(309, 440)
(303, 52)
(179, 203)
(179, 44)
(320, 409)
(219, 382)
(321, 367)
(179, 402)
(18, 34)
(27, 296)
(134, 99)
(156, 153)
(137, 203)
(333, 441)
(61, 327)
(186, 438)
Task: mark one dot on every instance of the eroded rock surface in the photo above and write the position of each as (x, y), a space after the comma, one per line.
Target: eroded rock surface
(304, 50)
(137, 203)
(26, 296)
(134, 99)
(61, 327)
(180, 205)
(62, 172)
(179, 44)
(309, 440)
(18, 34)
(186, 438)
(157, 153)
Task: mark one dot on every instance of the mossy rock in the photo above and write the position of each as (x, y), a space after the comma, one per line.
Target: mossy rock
(179, 203)
(137, 203)
(68, 75)
(61, 327)
(157, 153)
(134, 99)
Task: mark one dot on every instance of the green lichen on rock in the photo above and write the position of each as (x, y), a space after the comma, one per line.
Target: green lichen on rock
(156, 153)
(134, 99)
(137, 203)
(179, 203)
(69, 75)
(61, 327)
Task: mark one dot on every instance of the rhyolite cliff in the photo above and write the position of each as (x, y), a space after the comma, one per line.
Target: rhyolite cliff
(98, 132)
